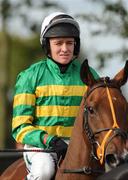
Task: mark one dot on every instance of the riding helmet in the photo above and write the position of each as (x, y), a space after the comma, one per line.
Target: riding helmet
(59, 24)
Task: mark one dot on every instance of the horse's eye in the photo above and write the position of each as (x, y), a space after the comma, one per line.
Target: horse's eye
(90, 110)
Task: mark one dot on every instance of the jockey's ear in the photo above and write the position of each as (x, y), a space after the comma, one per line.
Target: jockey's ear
(86, 74)
(122, 76)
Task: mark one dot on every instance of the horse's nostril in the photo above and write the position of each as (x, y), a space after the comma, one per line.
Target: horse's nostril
(112, 160)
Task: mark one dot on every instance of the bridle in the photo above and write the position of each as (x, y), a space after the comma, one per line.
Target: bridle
(99, 152)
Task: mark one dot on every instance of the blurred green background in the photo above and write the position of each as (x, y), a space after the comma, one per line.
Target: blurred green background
(18, 51)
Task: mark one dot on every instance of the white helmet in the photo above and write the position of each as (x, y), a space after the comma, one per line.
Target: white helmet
(59, 24)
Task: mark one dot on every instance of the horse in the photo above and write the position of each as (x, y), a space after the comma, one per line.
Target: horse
(99, 137)
(16, 171)
(98, 141)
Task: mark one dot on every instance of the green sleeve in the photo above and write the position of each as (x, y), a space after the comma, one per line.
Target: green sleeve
(23, 129)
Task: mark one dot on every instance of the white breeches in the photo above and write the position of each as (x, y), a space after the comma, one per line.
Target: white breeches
(40, 165)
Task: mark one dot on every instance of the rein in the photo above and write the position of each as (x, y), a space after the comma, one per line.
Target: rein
(25, 150)
(84, 170)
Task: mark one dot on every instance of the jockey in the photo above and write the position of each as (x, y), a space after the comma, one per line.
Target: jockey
(48, 95)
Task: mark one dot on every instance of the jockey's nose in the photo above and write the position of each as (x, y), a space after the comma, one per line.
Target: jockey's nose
(64, 47)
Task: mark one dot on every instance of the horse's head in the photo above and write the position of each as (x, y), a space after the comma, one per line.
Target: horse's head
(106, 116)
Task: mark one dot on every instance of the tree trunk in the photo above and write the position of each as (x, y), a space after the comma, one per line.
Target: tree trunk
(4, 84)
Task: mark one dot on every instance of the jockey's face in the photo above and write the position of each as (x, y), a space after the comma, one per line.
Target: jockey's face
(62, 49)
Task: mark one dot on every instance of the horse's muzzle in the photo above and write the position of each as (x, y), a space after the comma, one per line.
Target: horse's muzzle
(113, 160)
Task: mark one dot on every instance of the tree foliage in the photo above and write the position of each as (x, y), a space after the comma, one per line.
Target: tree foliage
(112, 21)
(16, 55)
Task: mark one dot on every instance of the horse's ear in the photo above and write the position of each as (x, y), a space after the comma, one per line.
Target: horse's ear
(86, 75)
(122, 76)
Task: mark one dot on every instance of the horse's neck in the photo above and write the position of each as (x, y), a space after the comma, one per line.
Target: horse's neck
(78, 153)
(79, 147)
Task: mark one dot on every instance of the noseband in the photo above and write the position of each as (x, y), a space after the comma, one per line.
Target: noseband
(99, 152)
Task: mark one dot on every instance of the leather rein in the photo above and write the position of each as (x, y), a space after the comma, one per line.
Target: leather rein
(100, 152)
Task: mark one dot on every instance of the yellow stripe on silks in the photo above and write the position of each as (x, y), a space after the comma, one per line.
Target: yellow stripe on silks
(20, 136)
(27, 99)
(18, 120)
(57, 130)
(63, 111)
(51, 130)
(59, 90)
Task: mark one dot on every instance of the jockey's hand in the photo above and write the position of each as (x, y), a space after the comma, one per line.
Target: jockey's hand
(59, 146)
